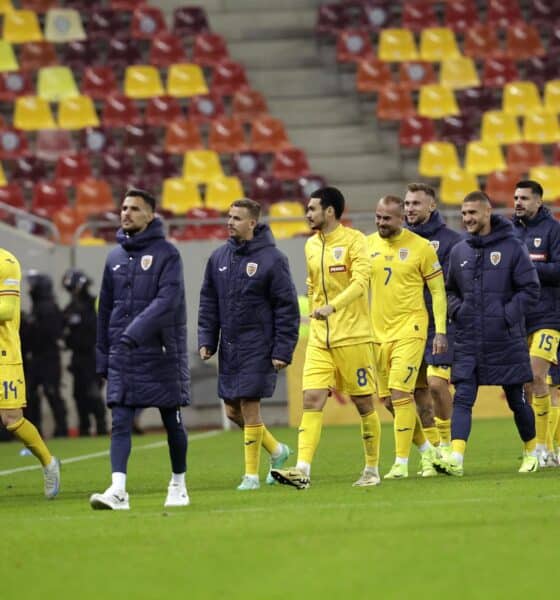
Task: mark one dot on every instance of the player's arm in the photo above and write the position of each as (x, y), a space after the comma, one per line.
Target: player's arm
(360, 274)
(208, 314)
(10, 283)
(454, 296)
(549, 271)
(8, 306)
(526, 286)
(104, 307)
(433, 276)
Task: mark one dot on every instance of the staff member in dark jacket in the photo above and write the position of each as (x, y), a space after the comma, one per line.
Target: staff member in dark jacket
(540, 232)
(492, 283)
(249, 309)
(142, 343)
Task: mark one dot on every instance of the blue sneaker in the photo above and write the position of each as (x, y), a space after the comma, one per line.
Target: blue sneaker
(278, 463)
(51, 475)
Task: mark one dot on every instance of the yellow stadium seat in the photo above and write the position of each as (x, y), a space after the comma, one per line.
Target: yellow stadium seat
(438, 44)
(22, 26)
(521, 98)
(220, 193)
(142, 81)
(88, 240)
(185, 80)
(32, 113)
(8, 60)
(6, 6)
(549, 177)
(56, 83)
(283, 230)
(77, 113)
(541, 128)
(455, 185)
(552, 96)
(436, 102)
(500, 127)
(397, 45)
(202, 166)
(459, 73)
(63, 25)
(437, 158)
(3, 180)
(179, 195)
(483, 158)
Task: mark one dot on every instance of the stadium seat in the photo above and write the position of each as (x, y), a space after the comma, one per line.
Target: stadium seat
(372, 74)
(331, 18)
(209, 49)
(500, 127)
(540, 69)
(161, 110)
(206, 108)
(415, 74)
(22, 26)
(481, 41)
(523, 41)
(283, 230)
(202, 166)
(123, 53)
(166, 49)
(549, 177)
(460, 15)
(248, 104)
(185, 80)
(415, 131)
(79, 54)
(200, 231)
(541, 128)
(226, 136)
(417, 16)
(543, 13)
(503, 13)
(228, 77)
(353, 45)
(310, 183)
(32, 113)
(189, 20)
(97, 140)
(524, 155)
(12, 195)
(497, 72)
(459, 73)
(35, 55)
(266, 189)
(396, 45)
(56, 83)
(142, 81)
(437, 158)
(182, 135)
(475, 101)
(77, 113)
(6, 6)
(521, 98)
(290, 164)
(437, 44)
(48, 198)
(500, 186)
(14, 84)
(458, 130)
(552, 96)
(394, 102)
(8, 60)
(436, 101)
(106, 24)
(13, 143)
(220, 193)
(375, 15)
(139, 139)
(268, 134)
(120, 111)
(90, 240)
(71, 169)
(248, 164)
(147, 22)
(483, 157)
(159, 165)
(116, 166)
(28, 170)
(99, 82)
(52, 143)
(94, 196)
(179, 196)
(66, 220)
(126, 5)
(455, 185)
(63, 25)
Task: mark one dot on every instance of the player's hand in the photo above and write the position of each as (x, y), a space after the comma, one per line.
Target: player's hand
(322, 313)
(440, 343)
(205, 353)
(279, 364)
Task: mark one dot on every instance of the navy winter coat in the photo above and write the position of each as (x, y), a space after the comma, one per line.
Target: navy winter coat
(442, 239)
(541, 235)
(142, 322)
(249, 306)
(491, 285)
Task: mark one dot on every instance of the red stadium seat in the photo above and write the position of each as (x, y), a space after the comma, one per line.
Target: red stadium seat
(375, 15)
(460, 15)
(79, 54)
(116, 166)
(159, 165)
(203, 109)
(332, 18)
(372, 74)
(290, 164)
(106, 24)
(414, 74)
(415, 131)
(522, 156)
(248, 104)
(161, 110)
(14, 84)
(353, 45)
(48, 198)
(13, 143)
(12, 195)
(99, 82)
(139, 139)
(499, 71)
(500, 186)
(544, 13)
(481, 41)
(209, 49)
(94, 196)
(28, 170)
(310, 183)
(523, 41)
(96, 140)
(167, 49)
(226, 135)
(66, 220)
(266, 189)
(475, 101)
(228, 77)
(268, 134)
(53, 143)
(419, 15)
(71, 169)
(181, 136)
(126, 5)
(123, 53)
(394, 103)
(120, 111)
(189, 20)
(39, 6)
(202, 232)
(147, 21)
(458, 130)
(248, 165)
(540, 69)
(35, 55)
(503, 13)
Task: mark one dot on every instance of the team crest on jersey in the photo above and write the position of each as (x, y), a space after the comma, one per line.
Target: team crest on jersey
(435, 244)
(251, 268)
(403, 253)
(537, 242)
(495, 258)
(338, 253)
(146, 261)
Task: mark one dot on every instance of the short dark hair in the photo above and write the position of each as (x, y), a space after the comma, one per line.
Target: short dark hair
(534, 186)
(393, 200)
(421, 187)
(478, 196)
(330, 196)
(252, 206)
(146, 196)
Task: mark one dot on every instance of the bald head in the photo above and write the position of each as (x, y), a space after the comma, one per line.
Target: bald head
(389, 216)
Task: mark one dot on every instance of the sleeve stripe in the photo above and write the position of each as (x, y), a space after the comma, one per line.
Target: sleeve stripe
(434, 274)
(9, 293)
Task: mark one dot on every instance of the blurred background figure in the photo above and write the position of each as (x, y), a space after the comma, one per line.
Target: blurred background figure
(41, 331)
(80, 322)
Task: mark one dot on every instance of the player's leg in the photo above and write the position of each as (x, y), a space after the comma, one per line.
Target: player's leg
(525, 422)
(425, 407)
(438, 383)
(253, 432)
(177, 441)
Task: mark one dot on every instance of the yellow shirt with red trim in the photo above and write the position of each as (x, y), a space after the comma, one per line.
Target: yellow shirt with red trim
(400, 267)
(338, 274)
(10, 284)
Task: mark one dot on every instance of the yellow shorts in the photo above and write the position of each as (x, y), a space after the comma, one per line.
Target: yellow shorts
(427, 371)
(349, 369)
(397, 365)
(12, 386)
(544, 344)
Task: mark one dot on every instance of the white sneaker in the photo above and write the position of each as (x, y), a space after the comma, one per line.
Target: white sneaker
(542, 456)
(367, 479)
(177, 495)
(110, 499)
(51, 475)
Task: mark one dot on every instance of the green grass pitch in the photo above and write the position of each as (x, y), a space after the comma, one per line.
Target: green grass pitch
(492, 534)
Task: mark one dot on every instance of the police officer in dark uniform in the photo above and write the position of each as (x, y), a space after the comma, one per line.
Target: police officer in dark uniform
(80, 323)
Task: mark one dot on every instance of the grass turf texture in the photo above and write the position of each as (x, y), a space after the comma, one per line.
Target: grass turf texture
(492, 534)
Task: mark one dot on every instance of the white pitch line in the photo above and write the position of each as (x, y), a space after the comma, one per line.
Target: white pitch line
(73, 459)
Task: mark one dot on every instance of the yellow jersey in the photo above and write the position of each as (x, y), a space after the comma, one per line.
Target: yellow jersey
(338, 274)
(400, 266)
(10, 307)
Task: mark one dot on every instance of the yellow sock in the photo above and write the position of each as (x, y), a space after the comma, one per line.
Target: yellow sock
(541, 406)
(404, 425)
(371, 436)
(418, 437)
(28, 434)
(459, 446)
(531, 445)
(432, 434)
(444, 428)
(309, 434)
(269, 442)
(552, 424)
(556, 432)
(253, 437)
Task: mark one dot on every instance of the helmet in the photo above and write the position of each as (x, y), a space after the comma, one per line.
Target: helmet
(74, 280)
(40, 284)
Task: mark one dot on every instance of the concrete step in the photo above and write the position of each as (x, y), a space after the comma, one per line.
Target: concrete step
(264, 54)
(302, 82)
(267, 5)
(316, 110)
(329, 140)
(349, 168)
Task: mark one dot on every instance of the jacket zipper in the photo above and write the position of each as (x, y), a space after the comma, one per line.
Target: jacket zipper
(324, 287)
